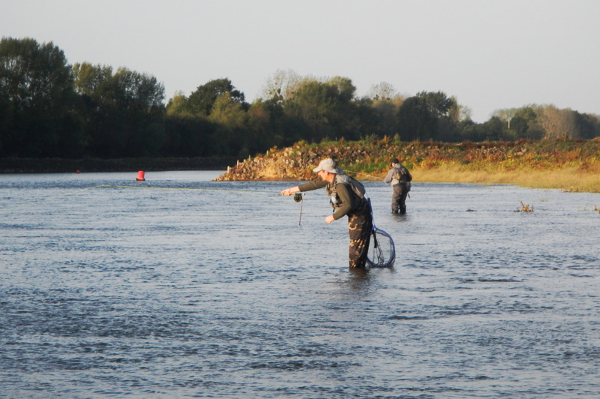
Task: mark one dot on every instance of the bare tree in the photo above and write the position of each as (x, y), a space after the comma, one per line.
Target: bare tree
(464, 113)
(506, 114)
(558, 123)
(281, 84)
(382, 91)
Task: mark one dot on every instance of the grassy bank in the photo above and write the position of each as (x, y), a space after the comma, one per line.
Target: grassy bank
(570, 165)
(567, 179)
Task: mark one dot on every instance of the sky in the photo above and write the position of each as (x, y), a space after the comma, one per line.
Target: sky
(488, 54)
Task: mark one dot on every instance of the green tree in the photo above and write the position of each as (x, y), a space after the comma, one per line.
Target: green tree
(438, 103)
(230, 117)
(6, 122)
(386, 111)
(36, 91)
(89, 78)
(525, 123)
(218, 110)
(345, 90)
(311, 105)
(177, 105)
(416, 121)
(124, 111)
(588, 125)
(325, 109)
(202, 100)
(492, 130)
(429, 115)
(263, 121)
(189, 136)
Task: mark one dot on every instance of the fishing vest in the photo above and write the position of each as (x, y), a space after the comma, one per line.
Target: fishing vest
(357, 191)
(402, 174)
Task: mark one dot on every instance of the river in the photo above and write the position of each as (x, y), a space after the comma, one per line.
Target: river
(181, 287)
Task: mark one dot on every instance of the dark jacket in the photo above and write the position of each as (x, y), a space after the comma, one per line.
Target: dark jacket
(342, 196)
(398, 174)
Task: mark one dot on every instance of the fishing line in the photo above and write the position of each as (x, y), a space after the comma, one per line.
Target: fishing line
(35, 201)
(382, 250)
(378, 178)
(75, 192)
(251, 192)
(298, 198)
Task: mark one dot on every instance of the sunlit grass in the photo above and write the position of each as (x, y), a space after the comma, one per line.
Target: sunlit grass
(568, 179)
(571, 165)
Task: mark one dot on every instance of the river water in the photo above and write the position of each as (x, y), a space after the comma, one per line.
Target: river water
(180, 287)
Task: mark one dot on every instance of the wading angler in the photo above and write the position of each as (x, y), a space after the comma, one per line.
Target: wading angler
(347, 196)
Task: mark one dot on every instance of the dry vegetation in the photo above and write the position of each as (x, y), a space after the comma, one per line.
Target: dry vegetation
(570, 165)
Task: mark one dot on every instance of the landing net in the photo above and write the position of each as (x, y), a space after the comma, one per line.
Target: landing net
(382, 251)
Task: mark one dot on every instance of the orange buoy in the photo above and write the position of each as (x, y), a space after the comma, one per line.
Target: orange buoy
(140, 176)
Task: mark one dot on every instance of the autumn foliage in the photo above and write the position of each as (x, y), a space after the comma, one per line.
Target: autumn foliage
(545, 161)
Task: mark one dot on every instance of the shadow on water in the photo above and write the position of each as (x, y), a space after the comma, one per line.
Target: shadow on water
(360, 280)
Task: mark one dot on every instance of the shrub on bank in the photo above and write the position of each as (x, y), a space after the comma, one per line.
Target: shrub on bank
(572, 165)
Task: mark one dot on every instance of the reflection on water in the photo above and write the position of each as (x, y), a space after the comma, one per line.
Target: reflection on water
(183, 287)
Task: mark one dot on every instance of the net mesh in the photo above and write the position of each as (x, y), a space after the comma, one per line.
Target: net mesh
(382, 251)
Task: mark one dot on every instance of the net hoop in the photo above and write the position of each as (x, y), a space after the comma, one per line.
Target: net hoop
(378, 257)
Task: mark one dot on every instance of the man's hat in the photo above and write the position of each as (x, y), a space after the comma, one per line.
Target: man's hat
(328, 165)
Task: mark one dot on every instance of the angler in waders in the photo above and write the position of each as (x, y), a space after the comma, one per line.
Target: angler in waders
(347, 196)
(400, 179)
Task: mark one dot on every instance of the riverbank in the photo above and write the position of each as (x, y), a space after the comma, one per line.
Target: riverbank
(566, 179)
(569, 165)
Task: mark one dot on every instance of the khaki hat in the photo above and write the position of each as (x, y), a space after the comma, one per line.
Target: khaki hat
(328, 165)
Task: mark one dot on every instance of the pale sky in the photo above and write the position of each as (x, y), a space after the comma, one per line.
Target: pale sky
(489, 54)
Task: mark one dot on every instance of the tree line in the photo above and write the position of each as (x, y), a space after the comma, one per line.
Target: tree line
(49, 109)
